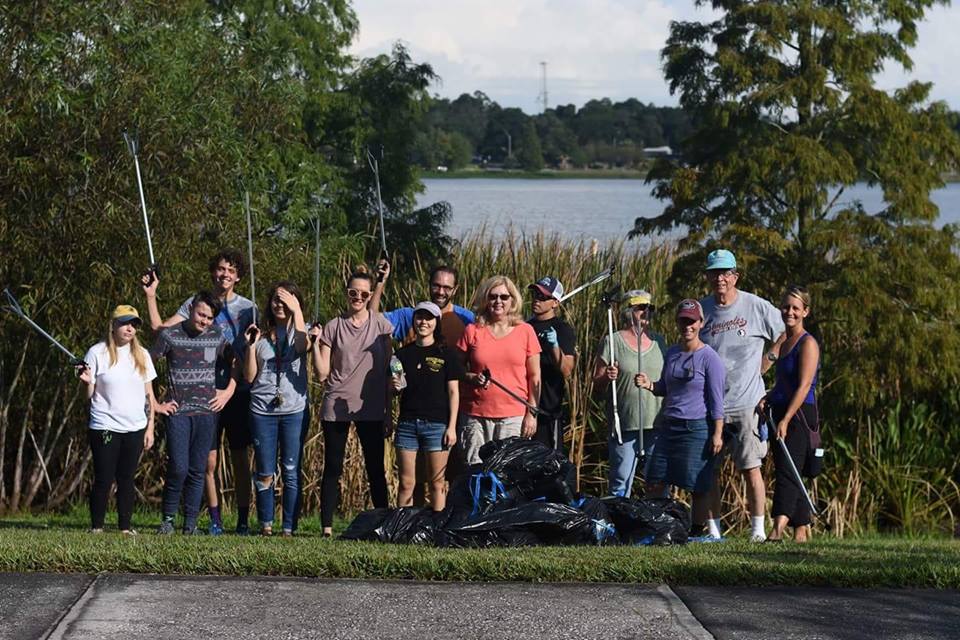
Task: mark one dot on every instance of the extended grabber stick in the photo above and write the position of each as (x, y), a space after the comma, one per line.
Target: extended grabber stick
(597, 279)
(609, 299)
(793, 467)
(14, 307)
(375, 167)
(253, 279)
(534, 410)
(133, 148)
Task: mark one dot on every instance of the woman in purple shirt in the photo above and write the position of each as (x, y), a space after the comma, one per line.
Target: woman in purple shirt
(690, 430)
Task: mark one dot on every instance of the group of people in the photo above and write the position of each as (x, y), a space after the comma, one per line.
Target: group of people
(464, 377)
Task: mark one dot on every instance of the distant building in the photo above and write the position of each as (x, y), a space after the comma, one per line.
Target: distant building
(658, 152)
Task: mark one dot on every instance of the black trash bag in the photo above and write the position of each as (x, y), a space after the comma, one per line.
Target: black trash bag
(595, 509)
(658, 521)
(406, 525)
(530, 523)
(530, 469)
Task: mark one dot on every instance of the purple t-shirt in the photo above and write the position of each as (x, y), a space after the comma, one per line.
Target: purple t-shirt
(692, 384)
(357, 386)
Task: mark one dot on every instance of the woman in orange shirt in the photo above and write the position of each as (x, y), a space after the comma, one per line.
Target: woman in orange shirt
(503, 343)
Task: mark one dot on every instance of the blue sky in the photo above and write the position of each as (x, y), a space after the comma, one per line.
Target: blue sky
(593, 48)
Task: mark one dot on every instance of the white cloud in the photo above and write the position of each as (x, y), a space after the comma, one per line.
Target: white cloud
(594, 49)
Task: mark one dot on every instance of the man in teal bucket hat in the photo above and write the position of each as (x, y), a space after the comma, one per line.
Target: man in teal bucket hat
(739, 325)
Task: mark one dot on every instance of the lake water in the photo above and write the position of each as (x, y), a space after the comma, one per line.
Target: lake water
(602, 209)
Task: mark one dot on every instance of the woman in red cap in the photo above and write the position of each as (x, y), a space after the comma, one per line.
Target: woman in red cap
(690, 433)
(118, 375)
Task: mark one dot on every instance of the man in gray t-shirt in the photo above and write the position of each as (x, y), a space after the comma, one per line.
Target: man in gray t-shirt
(738, 325)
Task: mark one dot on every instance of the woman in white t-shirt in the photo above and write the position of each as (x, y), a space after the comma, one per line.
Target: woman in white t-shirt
(118, 374)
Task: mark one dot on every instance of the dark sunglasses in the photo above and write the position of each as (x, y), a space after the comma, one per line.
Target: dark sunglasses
(357, 294)
(540, 297)
(493, 297)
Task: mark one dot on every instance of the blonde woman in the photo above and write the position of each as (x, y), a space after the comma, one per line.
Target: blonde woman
(118, 374)
(501, 342)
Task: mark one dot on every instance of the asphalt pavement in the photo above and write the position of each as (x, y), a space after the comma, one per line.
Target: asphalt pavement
(159, 607)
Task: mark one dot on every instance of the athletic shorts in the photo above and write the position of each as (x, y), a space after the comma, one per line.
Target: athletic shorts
(235, 421)
(741, 439)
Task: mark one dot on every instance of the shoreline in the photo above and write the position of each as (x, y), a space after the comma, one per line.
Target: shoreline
(570, 174)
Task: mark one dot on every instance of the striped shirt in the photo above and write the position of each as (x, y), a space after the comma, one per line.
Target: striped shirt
(192, 362)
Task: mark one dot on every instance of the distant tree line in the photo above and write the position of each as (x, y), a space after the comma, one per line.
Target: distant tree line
(601, 133)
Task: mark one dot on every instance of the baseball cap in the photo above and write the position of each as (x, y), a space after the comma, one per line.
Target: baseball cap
(426, 305)
(721, 259)
(125, 313)
(548, 286)
(637, 297)
(690, 308)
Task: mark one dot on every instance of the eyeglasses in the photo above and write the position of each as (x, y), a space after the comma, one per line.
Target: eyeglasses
(721, 273)
(493, 297)
(441, 287)
(357, 294)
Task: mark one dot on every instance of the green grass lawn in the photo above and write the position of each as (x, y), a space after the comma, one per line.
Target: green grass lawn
(60, 543)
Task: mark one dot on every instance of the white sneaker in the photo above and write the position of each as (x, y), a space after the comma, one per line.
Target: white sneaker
(758, 537)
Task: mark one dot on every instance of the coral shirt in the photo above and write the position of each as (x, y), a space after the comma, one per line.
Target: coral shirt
(506, 358)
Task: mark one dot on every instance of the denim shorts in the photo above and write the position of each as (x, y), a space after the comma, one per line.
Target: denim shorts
(681, 455)
(419, 435)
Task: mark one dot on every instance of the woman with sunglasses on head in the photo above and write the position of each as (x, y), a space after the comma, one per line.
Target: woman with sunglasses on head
(501, 342)
(794, 406)
(690, 431)
(622, 370)
(275, 366)
(351, 356)
(118, 373)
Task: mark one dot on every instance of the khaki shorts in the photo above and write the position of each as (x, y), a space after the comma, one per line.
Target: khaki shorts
(741, 439)
(478, 431)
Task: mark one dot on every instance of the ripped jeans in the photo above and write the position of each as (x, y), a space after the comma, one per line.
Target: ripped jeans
(269, 432)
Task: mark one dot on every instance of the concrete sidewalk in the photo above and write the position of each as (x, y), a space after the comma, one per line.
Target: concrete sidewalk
(159, 607)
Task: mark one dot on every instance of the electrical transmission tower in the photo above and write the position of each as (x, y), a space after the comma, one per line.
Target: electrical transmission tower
(542, 98)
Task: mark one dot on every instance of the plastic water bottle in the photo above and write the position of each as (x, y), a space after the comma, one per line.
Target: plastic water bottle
(396, 370)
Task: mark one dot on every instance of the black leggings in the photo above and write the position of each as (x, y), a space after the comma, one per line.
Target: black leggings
(334, 449)
(115, 457)
(788, 499)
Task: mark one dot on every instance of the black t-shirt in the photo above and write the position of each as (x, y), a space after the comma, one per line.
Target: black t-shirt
(552, 390)
(427, 370)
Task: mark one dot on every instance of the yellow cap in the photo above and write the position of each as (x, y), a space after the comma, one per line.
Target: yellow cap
(126, 313)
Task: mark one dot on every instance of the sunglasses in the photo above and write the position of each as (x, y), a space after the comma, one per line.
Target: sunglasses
(539, 297)
(493, 297)
(357, 294)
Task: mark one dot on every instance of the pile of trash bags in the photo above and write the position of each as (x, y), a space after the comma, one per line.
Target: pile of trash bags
(523, 495)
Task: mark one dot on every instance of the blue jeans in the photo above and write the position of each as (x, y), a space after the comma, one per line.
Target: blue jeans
(188, 443)
(623, 460)
(269, 432)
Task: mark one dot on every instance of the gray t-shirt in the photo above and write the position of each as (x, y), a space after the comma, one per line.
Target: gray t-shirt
(357, 386)
(291, 369)
(738, 332)
(628, 394)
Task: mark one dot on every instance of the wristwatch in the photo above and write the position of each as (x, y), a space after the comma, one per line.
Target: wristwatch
(771, 356)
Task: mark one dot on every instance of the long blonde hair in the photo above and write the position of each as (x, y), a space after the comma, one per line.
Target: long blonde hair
(480, 301)
(136, 351)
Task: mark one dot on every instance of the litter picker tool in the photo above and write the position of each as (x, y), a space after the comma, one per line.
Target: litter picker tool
(14, 307)
(597, 279)
(316, 272)
(375, 167)
(133, 147)
(793, 468)
(253, 280)
(638, 329)
(534, 410)
(609, 299)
